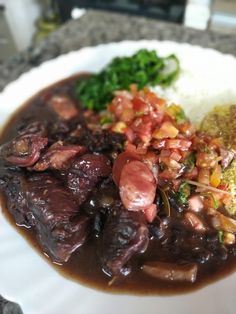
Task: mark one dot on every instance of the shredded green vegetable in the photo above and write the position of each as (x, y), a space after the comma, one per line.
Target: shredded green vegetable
(183, 192)
(190, 160)
(106, 120)
(180, 117)
(143, 68)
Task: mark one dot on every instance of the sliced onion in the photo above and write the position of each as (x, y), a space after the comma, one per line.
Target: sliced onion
(207, 187)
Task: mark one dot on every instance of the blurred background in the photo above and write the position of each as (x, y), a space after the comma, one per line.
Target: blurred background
(26, 22)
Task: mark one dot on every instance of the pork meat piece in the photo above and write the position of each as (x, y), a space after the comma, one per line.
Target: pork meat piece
(58, 156)
(43, 203)
(85, 173)
(24, 150)
(64, 107)
(60, 228)
(125, 234)
(15, 187)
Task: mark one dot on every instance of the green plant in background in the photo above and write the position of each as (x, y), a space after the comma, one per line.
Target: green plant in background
(49, 20)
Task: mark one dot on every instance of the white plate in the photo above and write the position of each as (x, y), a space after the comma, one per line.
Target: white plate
(25, 277)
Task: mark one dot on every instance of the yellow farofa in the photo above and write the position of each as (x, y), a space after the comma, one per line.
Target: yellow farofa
(220, 122)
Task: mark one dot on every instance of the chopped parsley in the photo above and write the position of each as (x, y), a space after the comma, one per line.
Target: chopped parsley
(143, 68)
(183, 193)
(190, 160)
(106, 120)
(180, 117)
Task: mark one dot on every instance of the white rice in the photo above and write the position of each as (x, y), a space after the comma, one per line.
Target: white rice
(203, 83)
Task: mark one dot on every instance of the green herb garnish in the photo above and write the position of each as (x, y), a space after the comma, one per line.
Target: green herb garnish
(106, 120)
(215, 202)
(190, 160)
(143, 68)
(180, 117)
(183, 193)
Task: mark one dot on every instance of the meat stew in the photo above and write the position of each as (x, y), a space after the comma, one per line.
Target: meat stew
(58, 188)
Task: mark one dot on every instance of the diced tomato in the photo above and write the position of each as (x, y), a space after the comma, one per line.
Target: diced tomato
(171, 163)
(204, 176)
(223, 186)
(169, 174)
(131, 148)
(167, 130)
(186, 128)
(206, 160)
(150, 157)
(140, 107)
(127, 115)
(154, 100)
(175, 155)
(215, 177)
(178, 143)
(130, 135)
(119, 105)
(165, 153)
(119, 127)
(157, 117)
(141, 149)
(158, 144)
(143, 128)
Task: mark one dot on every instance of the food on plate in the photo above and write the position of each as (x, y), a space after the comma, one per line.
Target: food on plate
(221, 122)
(130, 198)
(143, 68)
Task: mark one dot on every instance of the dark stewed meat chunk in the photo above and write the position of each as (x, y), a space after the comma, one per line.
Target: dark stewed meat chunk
(60, 227)
(85, 173)
(15, 188)
(63, 106)
(125, 234)
(58, 156)
(61, 240)
(98, 140)
(24, 150)
(43, 203)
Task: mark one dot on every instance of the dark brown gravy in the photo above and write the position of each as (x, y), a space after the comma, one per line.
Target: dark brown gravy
(84, 266)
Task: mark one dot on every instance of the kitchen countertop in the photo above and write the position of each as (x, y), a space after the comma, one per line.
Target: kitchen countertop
(97, 27)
